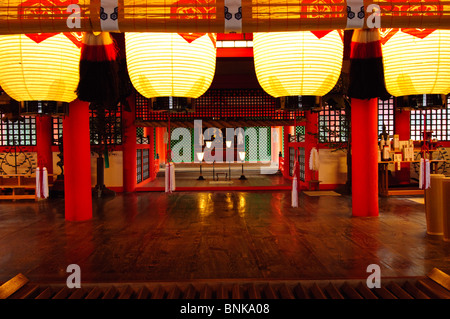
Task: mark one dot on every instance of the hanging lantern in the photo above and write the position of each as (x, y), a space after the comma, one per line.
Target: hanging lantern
(298, 63)
(416, 61)
(40, 67)
(169, 64)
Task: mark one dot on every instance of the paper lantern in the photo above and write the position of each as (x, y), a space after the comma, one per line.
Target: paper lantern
(297, 63)
(39, 67)
(417, 62)
(167, 64)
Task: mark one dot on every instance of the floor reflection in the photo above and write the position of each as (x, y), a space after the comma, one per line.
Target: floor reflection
(221, 234)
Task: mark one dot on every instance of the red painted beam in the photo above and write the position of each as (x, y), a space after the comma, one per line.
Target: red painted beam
(234, 52)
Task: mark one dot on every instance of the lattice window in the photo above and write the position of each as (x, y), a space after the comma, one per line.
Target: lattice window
(333, 127)
(300, 159)
(302, 162)
(258, 143)
(299, 134)
(291, 160)
(386, 116)
(251, 104)
(183, 146)
(437, 121)
(145, 164)
(57, 130)
(21, 133)
(138, 165)
(108, 130)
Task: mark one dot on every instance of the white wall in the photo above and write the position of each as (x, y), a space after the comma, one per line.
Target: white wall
(333, 167)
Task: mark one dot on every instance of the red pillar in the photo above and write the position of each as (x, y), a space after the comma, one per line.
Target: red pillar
(312, 121)
(286, 150)
(364, 157)
(44, 142)
(151, 137)
(160, 145)
(129, 148)
(77, 163)
(403, 129)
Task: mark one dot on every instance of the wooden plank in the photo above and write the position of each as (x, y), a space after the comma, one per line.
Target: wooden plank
(440, 277)
(158, 293)
(285, 292)
(398, 291)
(383, 293)
(45, 294)
(415, 291)
(236, 292)
(253, 292)
(366, 292)
(269, 292)
(205, 292)
(174, 292)
(333, 292)
(95, 293)
(143, 293)
(433, 289)
(398, 192)
(77, 293)
(12, 285)
(301, 292)
(350, 292)
(63, 293)
(222, 292)
(317, 292)
(190, 292)
(126, 293)
(110, 293)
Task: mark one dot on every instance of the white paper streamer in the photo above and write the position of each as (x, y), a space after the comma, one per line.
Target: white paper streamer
(294, 192)
(169, 175)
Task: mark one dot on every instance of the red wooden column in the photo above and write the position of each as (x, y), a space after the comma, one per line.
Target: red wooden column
(311, 126)
(286, 132)
(44, 125)
(151, 140)
(364, 157)
(77, 163)
(129, 148)
(403, 129)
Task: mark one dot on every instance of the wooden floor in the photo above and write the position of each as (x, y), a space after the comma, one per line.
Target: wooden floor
(154, 236)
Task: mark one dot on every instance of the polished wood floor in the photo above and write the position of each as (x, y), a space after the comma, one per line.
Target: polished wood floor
(154, 236)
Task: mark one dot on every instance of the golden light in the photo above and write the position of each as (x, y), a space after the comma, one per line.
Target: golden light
(414, 65)
(297, 63)
(166, 64)
(44, 70)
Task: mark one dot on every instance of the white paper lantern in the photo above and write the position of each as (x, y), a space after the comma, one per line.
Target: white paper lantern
(297, 63)
(46, 70)
(166, 64)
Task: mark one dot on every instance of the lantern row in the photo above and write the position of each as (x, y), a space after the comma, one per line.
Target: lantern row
(218, 16)
(303, 63)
